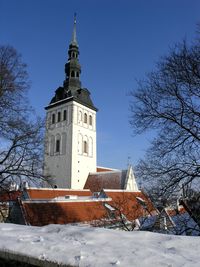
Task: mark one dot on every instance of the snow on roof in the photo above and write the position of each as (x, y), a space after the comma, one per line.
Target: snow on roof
(109, 207)
(57, 189)
(67, 199)
(121, 190)
(87, 246)
(105, 169)
(141, 201)
(62, 209)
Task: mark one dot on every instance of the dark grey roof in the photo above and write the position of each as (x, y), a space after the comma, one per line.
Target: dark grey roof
(106, 180)
(80, 95)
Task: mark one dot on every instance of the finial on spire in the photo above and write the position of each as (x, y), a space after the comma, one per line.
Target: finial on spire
(74, 41)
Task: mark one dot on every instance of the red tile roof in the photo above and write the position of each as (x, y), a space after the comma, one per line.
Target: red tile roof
(43, 212)
(102, 169)
(9, 195)
(174, 212)
(39, 214)
(49, 193)
(126, 202)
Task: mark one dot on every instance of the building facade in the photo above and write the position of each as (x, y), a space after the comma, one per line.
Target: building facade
(70, 146)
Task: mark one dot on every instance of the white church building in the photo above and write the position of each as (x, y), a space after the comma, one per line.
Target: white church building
(70, 148)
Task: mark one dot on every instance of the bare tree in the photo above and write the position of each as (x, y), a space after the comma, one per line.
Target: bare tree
(127, 211)
(21, 132)
(167, 101)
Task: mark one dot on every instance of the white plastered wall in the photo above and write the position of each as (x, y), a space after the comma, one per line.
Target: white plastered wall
(83, 162)
(70, 167)
(131, 183)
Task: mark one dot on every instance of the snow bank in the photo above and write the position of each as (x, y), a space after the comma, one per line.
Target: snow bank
(87, 246)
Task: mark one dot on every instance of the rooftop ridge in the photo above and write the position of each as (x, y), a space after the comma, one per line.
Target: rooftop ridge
(121, 190)
(107, 168)
(58, 189)
(66, 200)
(106, 172)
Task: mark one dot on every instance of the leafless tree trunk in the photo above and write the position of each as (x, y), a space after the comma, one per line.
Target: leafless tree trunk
(21, 132)
(168, 102)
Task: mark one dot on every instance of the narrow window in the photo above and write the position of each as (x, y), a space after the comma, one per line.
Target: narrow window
(85, 147)
(59, 116)
(85, 118)
(72, 74)
(65, 115)
(57, 145)
(53, 118)
(90, 120)
(52, 145)
(77, 74)
(80, 116)
(90, 147)
(80, 144)
(64, 143)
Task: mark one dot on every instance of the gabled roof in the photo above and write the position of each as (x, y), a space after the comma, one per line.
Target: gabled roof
(106, 180)
(104, 169)
(44, 213)
(60, 210)
(129, 203)
(49, 193)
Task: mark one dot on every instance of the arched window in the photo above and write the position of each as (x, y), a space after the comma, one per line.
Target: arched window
(64, 143)
(80, 116)
(59, 117)
(85, 147)
(80, 143)
(57, 150)
(90, 148)
(77, 74)
(65, 115)
(72, 74)
(57, 146)
(90, 120)
(85, 118)
(52, 144)
(53, 118)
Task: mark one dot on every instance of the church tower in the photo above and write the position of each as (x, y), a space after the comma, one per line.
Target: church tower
(70, 148)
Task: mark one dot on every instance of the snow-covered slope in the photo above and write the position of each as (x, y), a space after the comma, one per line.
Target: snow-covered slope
(87, 246)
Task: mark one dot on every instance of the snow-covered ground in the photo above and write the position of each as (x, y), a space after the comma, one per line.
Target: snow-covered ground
(86, 246)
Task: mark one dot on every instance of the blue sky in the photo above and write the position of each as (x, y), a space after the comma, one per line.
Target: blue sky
(120, 41)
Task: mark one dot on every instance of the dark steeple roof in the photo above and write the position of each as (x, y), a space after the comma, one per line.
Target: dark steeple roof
(71, 89)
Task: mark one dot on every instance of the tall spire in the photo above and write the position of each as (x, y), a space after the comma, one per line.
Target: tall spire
(72, 67)
(74, 40)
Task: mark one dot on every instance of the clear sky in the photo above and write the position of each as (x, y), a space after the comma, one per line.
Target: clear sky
(119, 41)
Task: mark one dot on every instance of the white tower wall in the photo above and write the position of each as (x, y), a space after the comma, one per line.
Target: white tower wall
(70, 166)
